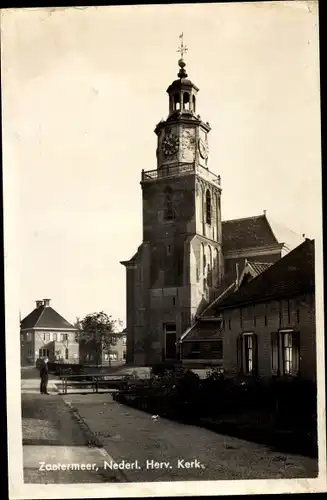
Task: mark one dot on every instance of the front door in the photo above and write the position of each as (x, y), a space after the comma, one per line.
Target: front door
(170, 341)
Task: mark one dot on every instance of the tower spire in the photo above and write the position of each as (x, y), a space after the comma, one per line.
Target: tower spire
(182, 49)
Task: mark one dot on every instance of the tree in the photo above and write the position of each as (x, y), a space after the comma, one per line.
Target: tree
(97, 332)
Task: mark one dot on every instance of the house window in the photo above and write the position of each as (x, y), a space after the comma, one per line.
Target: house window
(174, 301)
(43, 353)
(113, 356)
(66, 354)
(64, 336)
(247, 355)
(124, 355)
(169, 250)
(54, 337)
(195, 350)
(28, 336)
(229, 323)
(285, 353)
(217, 349)
(124, 340)
(46, 337)
(208, 207)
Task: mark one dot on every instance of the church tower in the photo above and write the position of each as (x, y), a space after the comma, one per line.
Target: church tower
(179, 265)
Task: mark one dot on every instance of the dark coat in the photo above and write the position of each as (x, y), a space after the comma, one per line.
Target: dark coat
(44, 371)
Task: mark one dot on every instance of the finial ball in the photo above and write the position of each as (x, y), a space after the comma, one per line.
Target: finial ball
(181, 63)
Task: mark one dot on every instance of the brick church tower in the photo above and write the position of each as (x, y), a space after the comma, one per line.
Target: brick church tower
(179, 265)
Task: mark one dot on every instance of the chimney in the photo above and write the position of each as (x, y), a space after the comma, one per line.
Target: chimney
(46, 302)
(39, 303)
(264, 212)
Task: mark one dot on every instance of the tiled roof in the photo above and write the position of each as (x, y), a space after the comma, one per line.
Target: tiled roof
(205, 330)
(259, 267)
(292, 275)
(254, 232)
(44, 317)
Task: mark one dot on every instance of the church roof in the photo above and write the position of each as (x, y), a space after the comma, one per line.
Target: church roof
(254, 232)
(290, 276)
(45, 317)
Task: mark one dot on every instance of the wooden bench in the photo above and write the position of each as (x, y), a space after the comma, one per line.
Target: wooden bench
(93, 381)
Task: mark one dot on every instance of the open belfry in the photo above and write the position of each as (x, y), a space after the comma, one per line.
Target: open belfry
(188, 256)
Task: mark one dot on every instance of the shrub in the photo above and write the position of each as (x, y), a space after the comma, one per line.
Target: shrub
(161, 368)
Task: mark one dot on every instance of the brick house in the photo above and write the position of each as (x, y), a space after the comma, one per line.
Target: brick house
(44, 332)
(267, 326)
(90, 353)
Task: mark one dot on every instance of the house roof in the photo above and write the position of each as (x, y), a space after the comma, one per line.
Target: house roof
(290, 276)
(45, 317)
(204, 330)
(223, 292)
(254, 232)
(226, 290)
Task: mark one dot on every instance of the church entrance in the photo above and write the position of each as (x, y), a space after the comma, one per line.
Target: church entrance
(170, 341)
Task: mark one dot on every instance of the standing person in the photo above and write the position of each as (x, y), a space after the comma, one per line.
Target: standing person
(44, 374)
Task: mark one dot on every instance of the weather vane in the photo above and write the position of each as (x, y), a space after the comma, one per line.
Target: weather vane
(182, 49)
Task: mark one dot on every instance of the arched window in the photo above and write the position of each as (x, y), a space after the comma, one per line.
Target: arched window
(193, 99)
(209, 266)
(216, 258)
(208, 207)
(168, 207)
(177, 102)
(204, 261)
(186, 100)
(210, 257)
(201, 254)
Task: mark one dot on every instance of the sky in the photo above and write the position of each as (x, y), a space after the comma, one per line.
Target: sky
(83, 89)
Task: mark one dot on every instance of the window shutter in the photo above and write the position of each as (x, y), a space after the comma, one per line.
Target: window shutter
(295, 353)
(255, 354)
(274, 353)
(239, 347)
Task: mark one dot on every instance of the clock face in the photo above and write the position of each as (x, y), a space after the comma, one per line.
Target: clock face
(170, 145)
(203, 149)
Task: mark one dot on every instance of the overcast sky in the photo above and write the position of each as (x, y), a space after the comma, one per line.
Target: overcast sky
(83, 89)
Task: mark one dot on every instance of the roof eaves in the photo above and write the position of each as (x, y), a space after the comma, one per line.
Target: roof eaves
(242, 219)
(266, 298)
(186, 333)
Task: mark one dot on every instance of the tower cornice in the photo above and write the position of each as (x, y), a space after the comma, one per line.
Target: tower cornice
(182, 119)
